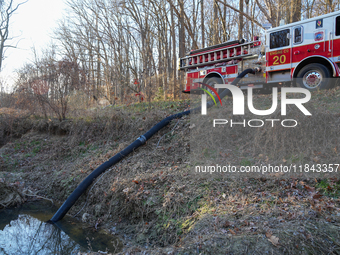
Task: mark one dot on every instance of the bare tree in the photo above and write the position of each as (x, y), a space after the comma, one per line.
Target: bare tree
(50, 82)
(7, 8)
(131, 47)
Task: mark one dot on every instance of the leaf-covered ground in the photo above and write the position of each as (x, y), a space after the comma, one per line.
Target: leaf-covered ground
(155, 202)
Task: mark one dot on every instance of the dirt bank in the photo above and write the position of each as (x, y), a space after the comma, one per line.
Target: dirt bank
(155, 203)
(10, 195)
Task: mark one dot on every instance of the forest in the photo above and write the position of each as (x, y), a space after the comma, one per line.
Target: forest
(127, 51)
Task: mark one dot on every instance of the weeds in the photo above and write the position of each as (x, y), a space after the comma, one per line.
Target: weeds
(155, 200)
(329, 187)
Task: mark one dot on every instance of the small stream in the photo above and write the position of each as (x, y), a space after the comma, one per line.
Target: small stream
(23, 230)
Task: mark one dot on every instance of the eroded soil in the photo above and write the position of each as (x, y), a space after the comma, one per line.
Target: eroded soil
(155, 202)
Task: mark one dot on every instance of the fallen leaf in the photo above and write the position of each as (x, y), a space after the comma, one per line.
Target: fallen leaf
(227, 224)
(317, 195)
(268, 234)
(329, 206)
(274, 240)
(223, 155)
(310, 189)
(217, 220)
(232, 231)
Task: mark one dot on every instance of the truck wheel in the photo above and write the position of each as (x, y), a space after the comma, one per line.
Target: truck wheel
(212, 81)
(314, 77)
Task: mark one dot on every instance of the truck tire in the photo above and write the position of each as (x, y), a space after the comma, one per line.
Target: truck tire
(212, 81)
(314, 77)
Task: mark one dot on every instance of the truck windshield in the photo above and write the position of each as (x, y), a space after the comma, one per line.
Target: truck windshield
(279, 39)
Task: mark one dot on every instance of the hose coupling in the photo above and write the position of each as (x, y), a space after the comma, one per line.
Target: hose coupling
(142, 139)
(258, 69)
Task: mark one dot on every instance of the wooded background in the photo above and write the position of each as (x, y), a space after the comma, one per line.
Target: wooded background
(127, 51)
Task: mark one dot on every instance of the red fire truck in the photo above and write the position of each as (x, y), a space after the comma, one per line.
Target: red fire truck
(304, 53)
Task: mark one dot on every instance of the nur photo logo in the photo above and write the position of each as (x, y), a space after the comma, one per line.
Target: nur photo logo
(239, 105)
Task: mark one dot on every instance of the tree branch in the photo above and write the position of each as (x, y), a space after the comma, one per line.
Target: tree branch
(243, 13)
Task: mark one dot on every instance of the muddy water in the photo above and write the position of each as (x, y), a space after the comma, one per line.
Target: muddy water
(24, 230)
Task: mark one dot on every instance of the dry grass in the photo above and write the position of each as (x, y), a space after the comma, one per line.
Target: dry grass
(13, 123)
(315, 139)
(155, 203)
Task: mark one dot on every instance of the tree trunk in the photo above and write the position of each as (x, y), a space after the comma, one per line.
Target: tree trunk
(202, 24)
(181, 39)
(225, 34)
(215, 24)
(240, 23)
(174, 53)
(295, 10)
(247, 23)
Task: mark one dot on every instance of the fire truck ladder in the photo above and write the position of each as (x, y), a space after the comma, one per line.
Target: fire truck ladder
(217, 55)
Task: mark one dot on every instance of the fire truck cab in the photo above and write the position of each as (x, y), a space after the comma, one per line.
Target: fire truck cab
(304, 53)
(308, 50)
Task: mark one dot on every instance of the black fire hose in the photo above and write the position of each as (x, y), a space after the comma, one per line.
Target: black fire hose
(119, 156)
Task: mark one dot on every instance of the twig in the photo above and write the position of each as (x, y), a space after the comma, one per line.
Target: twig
(4, 206)
(39, 197)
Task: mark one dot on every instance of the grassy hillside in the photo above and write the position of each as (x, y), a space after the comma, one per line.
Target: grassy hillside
(153, 200)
